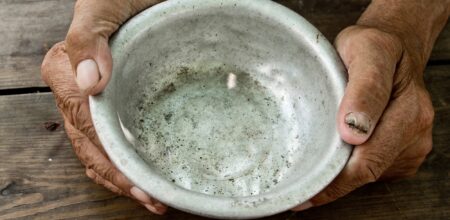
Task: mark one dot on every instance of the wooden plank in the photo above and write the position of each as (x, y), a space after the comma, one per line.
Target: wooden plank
(29, 27)
(32, 186)
(40, 176)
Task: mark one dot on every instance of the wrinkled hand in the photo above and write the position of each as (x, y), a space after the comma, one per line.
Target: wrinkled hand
(386, 111)
(85, 59)
(87, 40)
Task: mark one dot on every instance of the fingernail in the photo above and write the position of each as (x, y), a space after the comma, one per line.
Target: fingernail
(153, 209)
(140, 195)
(358, 122)
(87, 74)
(303, 206)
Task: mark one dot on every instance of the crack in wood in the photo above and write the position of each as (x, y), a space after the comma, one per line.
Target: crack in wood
(18, 91)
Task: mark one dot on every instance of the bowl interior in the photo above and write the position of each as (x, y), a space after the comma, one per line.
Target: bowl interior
(225, 100)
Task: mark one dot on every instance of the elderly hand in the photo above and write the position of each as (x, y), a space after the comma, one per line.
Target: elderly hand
(386, 111)
(85, 59)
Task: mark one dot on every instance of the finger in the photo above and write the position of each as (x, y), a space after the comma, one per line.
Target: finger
(154, 207)
(94, 159)
(151, 204)
(370, 160)
(159, 210)
(371, 57)
(87, 39)
(56, 72)
(101, 181)
(104, 172)
(148, 201)
(304, 206)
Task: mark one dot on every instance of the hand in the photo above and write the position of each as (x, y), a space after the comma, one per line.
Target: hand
(386, 111)
(87, 40)
(85, 59)
(74, 107)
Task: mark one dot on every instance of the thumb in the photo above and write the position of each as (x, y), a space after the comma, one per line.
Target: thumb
(87, 40)
(371, 57)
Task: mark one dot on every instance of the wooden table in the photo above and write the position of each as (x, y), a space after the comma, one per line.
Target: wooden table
(40, 177)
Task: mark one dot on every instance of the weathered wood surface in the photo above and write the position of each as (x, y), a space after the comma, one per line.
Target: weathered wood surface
(33, 186)
(29, 27)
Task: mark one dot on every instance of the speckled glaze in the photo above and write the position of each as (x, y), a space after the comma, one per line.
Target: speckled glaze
(225, 108)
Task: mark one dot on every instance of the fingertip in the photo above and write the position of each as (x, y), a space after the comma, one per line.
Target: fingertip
(355, 128)
(154, 206)
(87, 75)
(153, 209)
(92, 61)
(105, 63)
(160, 207)
(140, 195)
(304, 206)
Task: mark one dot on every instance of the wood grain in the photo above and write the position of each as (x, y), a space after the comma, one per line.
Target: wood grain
(29, 27)
(34, 187)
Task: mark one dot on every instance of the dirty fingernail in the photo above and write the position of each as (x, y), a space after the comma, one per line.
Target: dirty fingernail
(153, 209)
(303, 206)
(358, 122)
(140, 195)
(87, 74)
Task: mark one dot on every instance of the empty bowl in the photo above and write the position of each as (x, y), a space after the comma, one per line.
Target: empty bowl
(223, 108)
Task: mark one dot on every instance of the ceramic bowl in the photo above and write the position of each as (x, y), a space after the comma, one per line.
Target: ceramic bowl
(223, 108)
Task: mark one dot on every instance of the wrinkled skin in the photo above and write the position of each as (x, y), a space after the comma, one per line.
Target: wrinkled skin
(386, 111)
(74, 108)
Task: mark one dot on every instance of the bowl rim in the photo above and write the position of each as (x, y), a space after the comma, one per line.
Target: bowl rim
(137, 171)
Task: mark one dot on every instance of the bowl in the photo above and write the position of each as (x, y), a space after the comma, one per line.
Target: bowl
(223, 108)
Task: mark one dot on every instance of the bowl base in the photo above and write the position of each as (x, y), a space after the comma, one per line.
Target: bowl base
(217, 131)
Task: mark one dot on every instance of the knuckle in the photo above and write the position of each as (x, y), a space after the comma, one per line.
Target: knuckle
(427, 115)
(77, 37)
(385, 40)
(76, 110)
(94, 177)
(70, 105)
(370, 169)
(374, 84)
(101, 181)
(49, 65)
(331, 193)
(419, 109)
(337, 191)
(91, 174)
(425, 111)
(110, 174)
(115, 190)
(78, 141)
(375, 38)
(79, 4)
(425, 149)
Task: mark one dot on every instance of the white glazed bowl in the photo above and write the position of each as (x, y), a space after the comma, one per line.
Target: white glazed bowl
(223, 108)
